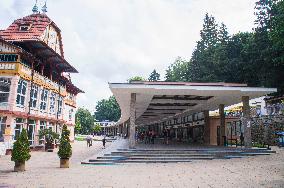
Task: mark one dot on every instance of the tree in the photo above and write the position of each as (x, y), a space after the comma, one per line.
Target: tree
(49, 136)
(154, 76)
(65, 148)
(85, 119)
(97, 128)
(177, 71)
(136, 78)
(107, 109)
(78, 127)
(21, 148)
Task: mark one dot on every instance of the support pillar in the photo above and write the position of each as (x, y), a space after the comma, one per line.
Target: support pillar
(246, 122)
(206, 127)
(132, 121)
(222, 124)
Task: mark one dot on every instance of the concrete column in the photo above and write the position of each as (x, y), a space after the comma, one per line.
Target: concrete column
(222, 123)
(206, 127)
(132, 121)
(246, 122)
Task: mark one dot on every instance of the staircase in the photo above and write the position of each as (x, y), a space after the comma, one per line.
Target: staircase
(172, 155)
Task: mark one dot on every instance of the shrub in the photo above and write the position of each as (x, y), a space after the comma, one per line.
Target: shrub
(49, 135)
(21, 148)
(65, 148)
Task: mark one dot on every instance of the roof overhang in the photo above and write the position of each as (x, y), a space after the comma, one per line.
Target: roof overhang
(160, 100)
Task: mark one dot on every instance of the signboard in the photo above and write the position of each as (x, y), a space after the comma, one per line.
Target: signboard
(9, 57)
(8, 131)
(7, 66)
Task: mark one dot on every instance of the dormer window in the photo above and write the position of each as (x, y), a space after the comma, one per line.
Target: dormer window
(25, 27)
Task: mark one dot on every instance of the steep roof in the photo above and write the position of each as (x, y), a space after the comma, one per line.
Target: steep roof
(38, 23)
(31, 39)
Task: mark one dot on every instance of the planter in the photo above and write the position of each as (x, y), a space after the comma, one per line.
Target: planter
(49, 146)
(19, 167)
(64, 163)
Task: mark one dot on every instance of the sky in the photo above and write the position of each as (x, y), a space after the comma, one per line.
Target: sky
(113, 40)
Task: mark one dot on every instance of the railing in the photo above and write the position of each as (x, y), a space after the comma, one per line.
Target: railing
(44, 80)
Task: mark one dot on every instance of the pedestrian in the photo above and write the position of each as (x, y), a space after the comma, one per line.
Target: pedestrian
(89, 141)
(104, 142)
(165, 136)
(242, 139)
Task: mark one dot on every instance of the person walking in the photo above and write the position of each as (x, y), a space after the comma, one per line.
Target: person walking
(104, 142)
(89, 140)
(242, 139)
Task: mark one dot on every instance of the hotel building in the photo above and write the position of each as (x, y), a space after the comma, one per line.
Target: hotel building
(36, 91)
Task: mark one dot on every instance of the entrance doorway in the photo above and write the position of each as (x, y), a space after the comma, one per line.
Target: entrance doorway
(31, 132)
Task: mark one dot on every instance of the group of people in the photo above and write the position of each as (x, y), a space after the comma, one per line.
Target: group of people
(148, 137)
(89, 140)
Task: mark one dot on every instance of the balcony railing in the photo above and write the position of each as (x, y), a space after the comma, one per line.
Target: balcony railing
(42, 79)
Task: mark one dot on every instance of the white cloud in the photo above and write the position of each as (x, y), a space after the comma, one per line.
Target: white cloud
(110, 41)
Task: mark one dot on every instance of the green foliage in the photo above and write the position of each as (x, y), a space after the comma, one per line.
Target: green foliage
(78, 127)
(97, 128)
(107, 109)
(136, 78)
(154, 76)
(49, 135)
(255, 58)
(21, 148)
(84, 118)
(65, 148)
(178, 71)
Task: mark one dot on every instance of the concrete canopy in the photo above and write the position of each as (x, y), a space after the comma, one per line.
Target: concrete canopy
(156, 101)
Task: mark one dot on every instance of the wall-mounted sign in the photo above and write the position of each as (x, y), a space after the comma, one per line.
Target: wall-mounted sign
(7, 66)
(9, 57)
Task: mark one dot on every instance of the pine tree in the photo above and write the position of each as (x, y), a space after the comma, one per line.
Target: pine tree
(154, 76)
(65, 148)
(21, 148)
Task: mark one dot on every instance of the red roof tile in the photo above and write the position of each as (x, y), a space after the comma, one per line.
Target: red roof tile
(38, 24)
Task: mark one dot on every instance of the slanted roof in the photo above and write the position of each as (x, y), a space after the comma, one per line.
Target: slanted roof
(31, 40)
(156, 101)
(38, 23)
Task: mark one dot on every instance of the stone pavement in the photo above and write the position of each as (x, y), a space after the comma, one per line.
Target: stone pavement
(43, 171)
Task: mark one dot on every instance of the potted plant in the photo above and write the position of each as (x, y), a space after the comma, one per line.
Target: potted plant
(50, 137)
(21, 151)
(65, 149)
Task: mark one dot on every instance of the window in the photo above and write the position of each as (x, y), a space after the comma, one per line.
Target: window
(59, 105)
(71, 113)
(31, 131)
(50, 126)
(21, 92)
(24, 27)
(52, 103)
(18, 127)
(42, 126)
(43, 98)
(5, 84)
(34, 92)
(2, 128)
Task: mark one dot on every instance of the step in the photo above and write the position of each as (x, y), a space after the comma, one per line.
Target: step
(170, 158)
(104, 160)
(233, 156)
(112, 157)
(171, 155)
(98, 163)
(154, 161)
(253, 154)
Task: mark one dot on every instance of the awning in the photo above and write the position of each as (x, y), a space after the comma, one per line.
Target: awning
(156, 101)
